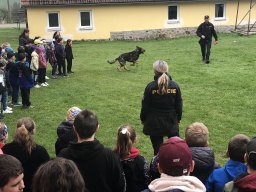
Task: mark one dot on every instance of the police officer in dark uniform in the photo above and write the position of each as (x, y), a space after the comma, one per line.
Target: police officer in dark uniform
(161, 106)
(205, 31)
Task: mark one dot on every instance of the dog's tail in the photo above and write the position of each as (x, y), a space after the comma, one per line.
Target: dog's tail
(112, 62)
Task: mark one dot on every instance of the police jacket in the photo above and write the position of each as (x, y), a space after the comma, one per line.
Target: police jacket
(206, 29)
(160, 114)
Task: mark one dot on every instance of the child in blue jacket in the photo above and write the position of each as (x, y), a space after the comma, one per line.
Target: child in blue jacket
(233, 168)
(24, 79)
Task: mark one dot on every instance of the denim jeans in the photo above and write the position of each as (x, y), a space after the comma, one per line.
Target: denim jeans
(5, 100)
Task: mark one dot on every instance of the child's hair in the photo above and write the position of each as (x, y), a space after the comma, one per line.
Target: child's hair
(5, 45)
(197, 135)
(3, 132)
(20, 56)
(251, 154)
(21, 49)
(59, 39)
(126, 136)
(55, 34)
(10, 168)
(23, 33)
(86, 124)
(24, 133)
(58, 175)
(68, 41)
(237, 147)
(161, 69)
(10, 55)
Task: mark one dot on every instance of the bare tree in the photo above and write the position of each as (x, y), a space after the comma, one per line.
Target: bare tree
(3, 14)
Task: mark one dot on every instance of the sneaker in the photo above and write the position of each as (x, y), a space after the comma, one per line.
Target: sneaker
(37, 86)
(9, 108)
(43, 84)
(54, 77)
(7, 111)
(64, 75)
(46, 83)
(27, 107)
(17, 104)
(46, 77)
(207, 61)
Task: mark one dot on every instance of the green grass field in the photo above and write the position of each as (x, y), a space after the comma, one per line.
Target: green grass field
(221, 95)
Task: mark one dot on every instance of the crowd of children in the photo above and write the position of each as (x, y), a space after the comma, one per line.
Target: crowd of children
(180, 166)
(25, 68)
(83, 164)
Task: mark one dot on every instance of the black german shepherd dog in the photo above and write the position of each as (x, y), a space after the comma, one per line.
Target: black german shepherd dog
(130, 57)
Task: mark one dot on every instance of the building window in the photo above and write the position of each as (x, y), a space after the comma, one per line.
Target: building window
(53, 21)
(220, 11)
(173, 14)
(85, 19)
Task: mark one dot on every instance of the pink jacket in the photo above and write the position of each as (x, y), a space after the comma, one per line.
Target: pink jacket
(42, 59)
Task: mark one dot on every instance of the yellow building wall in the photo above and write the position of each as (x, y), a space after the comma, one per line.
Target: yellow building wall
(113, 18)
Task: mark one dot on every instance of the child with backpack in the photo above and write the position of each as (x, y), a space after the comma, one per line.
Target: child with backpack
(134, 165)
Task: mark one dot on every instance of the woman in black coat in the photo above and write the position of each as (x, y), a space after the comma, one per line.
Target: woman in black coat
(161, 109)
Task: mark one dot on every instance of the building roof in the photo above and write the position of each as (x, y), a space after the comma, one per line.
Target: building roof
(29, 3)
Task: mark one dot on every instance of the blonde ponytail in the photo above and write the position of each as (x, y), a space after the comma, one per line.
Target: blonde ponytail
(24, 133)
(161, 69)
(163, 82)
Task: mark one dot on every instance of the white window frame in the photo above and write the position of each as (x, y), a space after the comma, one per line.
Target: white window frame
(91, 22)
(48, 23)
(224, 12)
(178, 15)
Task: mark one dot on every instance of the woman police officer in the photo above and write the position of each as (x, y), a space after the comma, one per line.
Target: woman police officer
(161, 106)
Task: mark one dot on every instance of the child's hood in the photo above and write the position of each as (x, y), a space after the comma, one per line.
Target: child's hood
(34, 54)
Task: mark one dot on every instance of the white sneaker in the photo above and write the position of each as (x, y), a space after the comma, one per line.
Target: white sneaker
(46, 77)
(7, 111)
(44, 85)
(9, 108)
(37, 86)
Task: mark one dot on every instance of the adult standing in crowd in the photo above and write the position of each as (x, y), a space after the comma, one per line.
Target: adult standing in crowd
(161, 109)
(205, 31)
(24, 148)
(24, 38)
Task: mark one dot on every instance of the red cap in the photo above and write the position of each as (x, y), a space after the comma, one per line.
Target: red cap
(175, 157)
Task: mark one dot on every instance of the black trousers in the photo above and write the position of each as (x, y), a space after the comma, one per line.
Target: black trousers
(61, 65)
(25, 95)
(205, 49)
(54, 68)
(158, 140)
(69, 65)
(41, 75)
